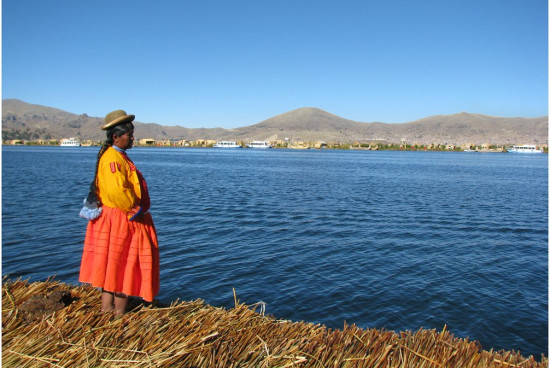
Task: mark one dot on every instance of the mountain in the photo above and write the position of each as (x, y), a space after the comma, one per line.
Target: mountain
(21, 120)
(307, 124)
(467, 127)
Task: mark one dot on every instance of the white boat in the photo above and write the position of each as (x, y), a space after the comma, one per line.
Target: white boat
(70, 142)
(526, 148)
(258, 144)
(226, 144)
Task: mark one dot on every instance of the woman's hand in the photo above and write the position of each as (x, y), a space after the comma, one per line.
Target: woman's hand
(134, 213)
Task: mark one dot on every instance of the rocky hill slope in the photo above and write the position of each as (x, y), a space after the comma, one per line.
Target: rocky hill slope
(21, 120)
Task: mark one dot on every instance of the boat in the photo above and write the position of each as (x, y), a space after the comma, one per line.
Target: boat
(526, 148)
(70, 142)
(226, 144)
(258, 144)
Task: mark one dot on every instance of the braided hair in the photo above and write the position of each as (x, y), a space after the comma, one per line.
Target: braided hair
(117, 130)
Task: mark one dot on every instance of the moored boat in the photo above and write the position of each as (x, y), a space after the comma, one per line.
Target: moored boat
(70, 142)
(226, 144)
(526, 148)
(258, 144)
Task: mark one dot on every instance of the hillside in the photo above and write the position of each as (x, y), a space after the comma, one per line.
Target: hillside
(21, 120)
(308, 124)
(469, 127)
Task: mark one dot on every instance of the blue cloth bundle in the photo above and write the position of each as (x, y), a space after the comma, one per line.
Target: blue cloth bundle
(92, 208)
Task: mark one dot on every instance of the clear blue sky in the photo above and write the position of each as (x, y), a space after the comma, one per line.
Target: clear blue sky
(235, 63)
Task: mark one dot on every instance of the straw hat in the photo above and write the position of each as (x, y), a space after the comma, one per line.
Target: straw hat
(117, 117)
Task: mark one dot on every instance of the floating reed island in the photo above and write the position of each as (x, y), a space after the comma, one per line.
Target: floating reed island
(51, 324)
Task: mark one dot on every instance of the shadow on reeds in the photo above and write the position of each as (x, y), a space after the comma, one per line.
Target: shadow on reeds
(58, 297)
(45, 304)
(135, 304)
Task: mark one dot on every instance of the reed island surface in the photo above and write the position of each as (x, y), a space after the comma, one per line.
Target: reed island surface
(52, 324)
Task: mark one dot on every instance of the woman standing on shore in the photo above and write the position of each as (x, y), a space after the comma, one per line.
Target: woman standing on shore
(121, 253)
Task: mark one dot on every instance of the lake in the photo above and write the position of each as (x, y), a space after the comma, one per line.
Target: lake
(381, 239)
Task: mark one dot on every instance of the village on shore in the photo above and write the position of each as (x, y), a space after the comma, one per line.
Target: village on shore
(379, 145)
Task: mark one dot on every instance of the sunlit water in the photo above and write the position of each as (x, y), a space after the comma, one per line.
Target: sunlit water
(395, 240)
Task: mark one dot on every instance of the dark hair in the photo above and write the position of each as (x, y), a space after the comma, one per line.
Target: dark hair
(118, 130)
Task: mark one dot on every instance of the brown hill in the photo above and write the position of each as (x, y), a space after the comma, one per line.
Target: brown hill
(308, 124)
(21, 120)
(477, 128)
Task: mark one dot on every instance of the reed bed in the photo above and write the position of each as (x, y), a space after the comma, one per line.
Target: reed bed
(75, 333)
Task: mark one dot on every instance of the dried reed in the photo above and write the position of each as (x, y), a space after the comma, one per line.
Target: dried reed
(193, 334)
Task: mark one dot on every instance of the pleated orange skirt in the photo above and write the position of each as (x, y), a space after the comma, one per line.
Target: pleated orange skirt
(121, 256)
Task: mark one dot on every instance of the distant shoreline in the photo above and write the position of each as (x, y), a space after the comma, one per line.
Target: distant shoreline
(390, 147)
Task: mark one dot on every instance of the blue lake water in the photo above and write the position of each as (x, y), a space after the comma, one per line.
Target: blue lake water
(395, 240)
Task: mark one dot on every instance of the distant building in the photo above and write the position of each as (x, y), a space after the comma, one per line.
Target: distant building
(165, 142)
(204, 142)
(184, 143)
(299, 145)
(147, 141)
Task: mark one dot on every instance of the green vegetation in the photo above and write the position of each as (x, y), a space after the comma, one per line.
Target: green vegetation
(26, 134)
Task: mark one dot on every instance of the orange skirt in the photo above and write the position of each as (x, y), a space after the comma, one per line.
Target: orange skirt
(121, 256)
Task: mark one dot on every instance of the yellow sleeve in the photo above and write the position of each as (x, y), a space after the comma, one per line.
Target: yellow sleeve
(117, 182)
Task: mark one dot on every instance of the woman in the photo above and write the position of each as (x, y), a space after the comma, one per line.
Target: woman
(121, 249)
